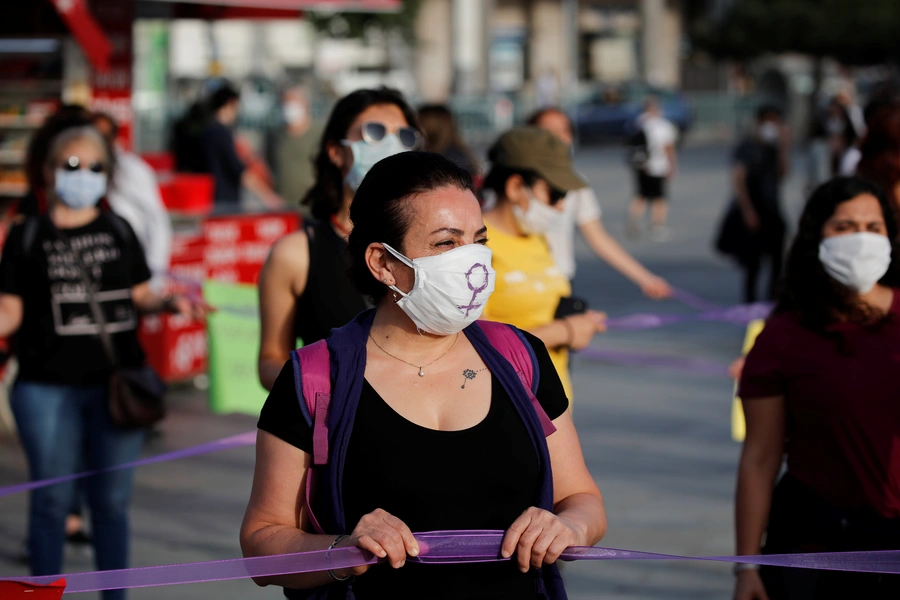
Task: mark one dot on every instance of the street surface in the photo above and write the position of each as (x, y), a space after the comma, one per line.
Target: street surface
(657, 441)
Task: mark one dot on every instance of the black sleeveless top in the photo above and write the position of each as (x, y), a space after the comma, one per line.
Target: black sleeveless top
(329, 300)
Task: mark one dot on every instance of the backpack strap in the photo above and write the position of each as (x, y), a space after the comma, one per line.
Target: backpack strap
(513, 346)
(312, 378)
(312, 375)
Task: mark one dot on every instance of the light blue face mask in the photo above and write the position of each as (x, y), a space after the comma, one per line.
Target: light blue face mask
(81, 188)
(365, 155)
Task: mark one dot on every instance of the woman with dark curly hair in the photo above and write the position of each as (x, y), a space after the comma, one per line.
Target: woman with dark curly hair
(820, 389)
(303, 288)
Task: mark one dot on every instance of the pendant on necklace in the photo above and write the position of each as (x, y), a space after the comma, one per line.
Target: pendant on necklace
(421, 372)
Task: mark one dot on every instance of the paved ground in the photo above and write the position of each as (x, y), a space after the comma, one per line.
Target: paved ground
(656, 441)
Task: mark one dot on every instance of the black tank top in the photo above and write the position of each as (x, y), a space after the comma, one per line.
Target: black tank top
(329, 300)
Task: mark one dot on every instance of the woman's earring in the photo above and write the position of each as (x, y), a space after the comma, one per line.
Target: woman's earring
(396, 298)
(384, 281)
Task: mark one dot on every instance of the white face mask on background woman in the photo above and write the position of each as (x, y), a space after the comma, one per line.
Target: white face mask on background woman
(857, 260)
(451, 289)
(81, 188)
(538, 218)
(365, 155)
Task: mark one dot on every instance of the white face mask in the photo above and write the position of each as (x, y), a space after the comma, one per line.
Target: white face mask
(294, 112)
(538, 218)
(451, 289)
(769, 132)
(365, 155)
(858, 260)
(81, 188)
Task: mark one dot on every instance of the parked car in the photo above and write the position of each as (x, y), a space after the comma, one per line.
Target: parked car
(610, 111)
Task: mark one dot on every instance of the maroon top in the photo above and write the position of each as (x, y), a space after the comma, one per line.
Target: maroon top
(843, 408)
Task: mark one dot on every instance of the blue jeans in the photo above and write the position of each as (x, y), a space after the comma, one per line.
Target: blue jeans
(65, 429)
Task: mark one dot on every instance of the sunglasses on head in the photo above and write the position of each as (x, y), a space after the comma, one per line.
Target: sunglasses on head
(374, 133)
(74, 164)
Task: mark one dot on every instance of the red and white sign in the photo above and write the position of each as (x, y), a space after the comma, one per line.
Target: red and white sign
(228, 249)
(112, 86)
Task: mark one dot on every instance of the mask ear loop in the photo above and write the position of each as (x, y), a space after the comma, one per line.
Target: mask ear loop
(406, 262)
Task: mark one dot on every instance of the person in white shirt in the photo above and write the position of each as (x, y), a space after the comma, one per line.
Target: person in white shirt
(653, 176)
(582, 208)
(134, 196)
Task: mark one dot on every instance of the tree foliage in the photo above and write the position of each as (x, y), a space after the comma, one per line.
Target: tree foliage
(854, 32)
(354, 24)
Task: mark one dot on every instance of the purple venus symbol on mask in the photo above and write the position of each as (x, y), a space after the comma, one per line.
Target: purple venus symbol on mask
(475, 290)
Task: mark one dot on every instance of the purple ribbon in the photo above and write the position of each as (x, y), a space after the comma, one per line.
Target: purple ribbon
(691, 300)
(697, 366)
(439, 547)
(235, 441)
(740, 314)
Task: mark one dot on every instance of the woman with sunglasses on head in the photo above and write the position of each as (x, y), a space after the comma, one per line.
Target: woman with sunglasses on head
(820, 390)
(430, 427)
(60, 399)
(531, 172)
(304, 291)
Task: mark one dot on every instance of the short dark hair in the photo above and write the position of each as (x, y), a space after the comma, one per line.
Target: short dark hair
(498, 176)
(109, 120)
(380, 211)
(326, 197)
(535, 118)
(768, 110)
(222, 97)
(808, 289)
(68, 115)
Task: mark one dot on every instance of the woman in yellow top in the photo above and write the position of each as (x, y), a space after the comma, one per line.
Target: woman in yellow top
(531, 172)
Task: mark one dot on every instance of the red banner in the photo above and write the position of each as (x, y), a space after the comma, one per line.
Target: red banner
(112, 87)
(80, 21)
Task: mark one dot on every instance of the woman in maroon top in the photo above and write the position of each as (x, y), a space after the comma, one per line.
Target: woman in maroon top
(820, 388)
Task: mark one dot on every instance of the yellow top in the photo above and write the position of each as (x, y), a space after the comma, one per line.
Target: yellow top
(528, 288)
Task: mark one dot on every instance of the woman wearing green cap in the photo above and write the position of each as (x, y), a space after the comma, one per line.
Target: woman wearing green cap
(531, 172)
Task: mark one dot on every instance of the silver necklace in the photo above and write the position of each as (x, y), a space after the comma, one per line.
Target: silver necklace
(420, 367)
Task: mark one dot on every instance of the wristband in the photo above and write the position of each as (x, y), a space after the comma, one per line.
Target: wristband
(741, 567)
(337, 541)
(168, 304)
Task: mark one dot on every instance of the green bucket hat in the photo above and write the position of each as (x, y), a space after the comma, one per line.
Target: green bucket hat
(540, 151)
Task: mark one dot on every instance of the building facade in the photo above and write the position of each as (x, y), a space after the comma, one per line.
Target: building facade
(467, 47)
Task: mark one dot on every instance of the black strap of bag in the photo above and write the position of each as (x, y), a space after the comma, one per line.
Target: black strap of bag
(136, 394)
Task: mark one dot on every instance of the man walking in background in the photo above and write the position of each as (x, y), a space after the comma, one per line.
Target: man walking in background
(297, 147)
(221, 159)
(760, 164)
(653, 173)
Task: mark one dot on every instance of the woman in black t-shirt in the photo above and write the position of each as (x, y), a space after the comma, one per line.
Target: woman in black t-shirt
(439, 440)
(304, 291)
(60, 396)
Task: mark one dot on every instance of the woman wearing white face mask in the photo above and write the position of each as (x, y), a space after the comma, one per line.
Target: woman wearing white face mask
(823, 377)
(60, 399)
(303, 288)
(531, 172)
(440, 431)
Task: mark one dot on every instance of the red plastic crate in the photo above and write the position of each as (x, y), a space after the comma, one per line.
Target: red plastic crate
(188, 193)
(161, 162)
